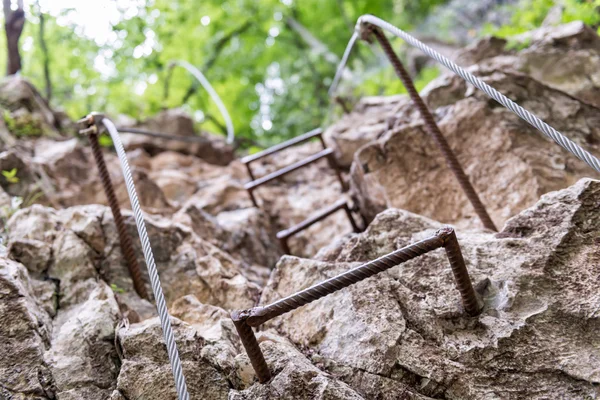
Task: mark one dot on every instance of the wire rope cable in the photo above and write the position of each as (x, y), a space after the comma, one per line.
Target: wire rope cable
(521, 112)
(208, 87)
(342, 64)
(159, 296)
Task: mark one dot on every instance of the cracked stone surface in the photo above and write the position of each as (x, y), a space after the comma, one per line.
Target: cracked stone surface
(406, 327)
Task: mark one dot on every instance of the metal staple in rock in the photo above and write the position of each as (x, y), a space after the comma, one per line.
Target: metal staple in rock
(435, 131)
(97, 122)
(245, 319)
(524, 114)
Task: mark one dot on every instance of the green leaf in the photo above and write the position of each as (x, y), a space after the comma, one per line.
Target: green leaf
(116, 289)
(11, 176)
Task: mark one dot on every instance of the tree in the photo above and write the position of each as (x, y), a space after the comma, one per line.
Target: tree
(14, 21)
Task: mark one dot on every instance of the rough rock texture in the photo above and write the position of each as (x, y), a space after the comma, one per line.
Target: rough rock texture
(213, 362)
(550, 54)
(405, 329)
(508, 162)
(25, 330)
(25, 112)
(177, 122)
(81, 245)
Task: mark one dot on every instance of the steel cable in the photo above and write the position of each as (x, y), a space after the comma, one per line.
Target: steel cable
(527, 116)
(207, 86)
(161, 304)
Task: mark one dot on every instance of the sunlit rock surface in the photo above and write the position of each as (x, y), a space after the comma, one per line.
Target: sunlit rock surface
(406, 328)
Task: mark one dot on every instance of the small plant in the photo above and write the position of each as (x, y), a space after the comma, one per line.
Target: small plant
(116, 289)
(22, 126)
(11, 176)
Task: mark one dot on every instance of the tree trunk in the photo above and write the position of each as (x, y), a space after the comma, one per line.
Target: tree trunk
(46, 54)
(14, 21)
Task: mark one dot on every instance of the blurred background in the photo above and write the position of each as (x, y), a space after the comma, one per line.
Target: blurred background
(271, 61)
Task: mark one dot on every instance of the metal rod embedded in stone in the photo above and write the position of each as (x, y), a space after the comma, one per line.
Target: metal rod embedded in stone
(124, 238)
(434, 130)
(251, 345)
(470, 298)
(342, 204)
(445, 237)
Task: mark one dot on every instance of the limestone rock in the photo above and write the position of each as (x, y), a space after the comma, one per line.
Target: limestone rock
(82, 357)
(368, 121)
(509, 163)
(406, 328)
(146, 372)
(294, 377)
(246, 233)
(27, 112)
(25, 332)
(547, 54)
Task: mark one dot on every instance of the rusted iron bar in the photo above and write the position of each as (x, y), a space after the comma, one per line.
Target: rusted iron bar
(434, 130)
(124, 238)
(256, 316)
(471, 301)
(341, 204)
(251, 345)
(251, 186)
(165, 136)
(282, 146)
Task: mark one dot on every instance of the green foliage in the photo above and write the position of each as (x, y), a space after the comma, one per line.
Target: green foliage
(116, 289)
(587, 11)
(22, 126)
(517, 45)
(11, 176)
(272, 77)
(105, 141)
(529, 14)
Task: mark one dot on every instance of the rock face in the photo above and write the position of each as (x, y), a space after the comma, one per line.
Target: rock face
(509, 163)
(405, 329)
(397, 167)
(25, 112)
(549, 55)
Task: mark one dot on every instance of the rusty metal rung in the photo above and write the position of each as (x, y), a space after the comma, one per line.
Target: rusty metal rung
(445, 237)
(286, 170)
(281, 146)
(341, 204)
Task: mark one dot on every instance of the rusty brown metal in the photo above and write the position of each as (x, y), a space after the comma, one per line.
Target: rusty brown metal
(251, 345)
(470, 299)
(282, 146)
(434, 130)
(253, 185)
(443, 238)
(341, 204)
(124, 238)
